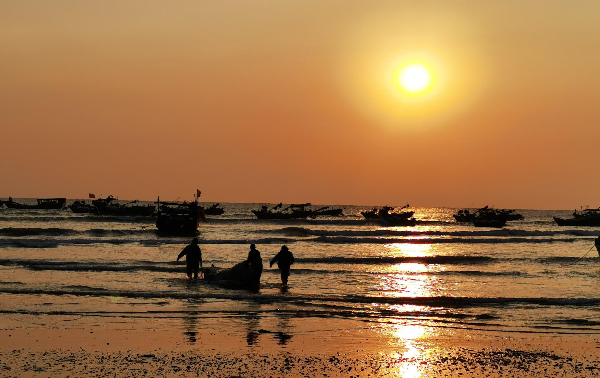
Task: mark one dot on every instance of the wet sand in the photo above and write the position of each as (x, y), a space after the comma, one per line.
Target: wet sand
(355, 350)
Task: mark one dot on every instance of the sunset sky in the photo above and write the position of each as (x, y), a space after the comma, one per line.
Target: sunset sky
(301, 101)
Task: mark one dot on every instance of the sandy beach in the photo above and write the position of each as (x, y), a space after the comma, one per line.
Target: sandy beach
(147, 347)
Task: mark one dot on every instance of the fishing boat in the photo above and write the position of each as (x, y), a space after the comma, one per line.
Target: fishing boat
(498, 222)
(294, 211)
(370, 214)
(109, 206)
(466, 216)
(384, 212)
(180, 219)
(42, 204)
(395, 219)
(489, 217)
(510, 215)
(81, 207)
(586, 217)
(327, 211)
(214, 210)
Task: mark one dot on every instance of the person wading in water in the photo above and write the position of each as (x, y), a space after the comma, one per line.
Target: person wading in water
(284, 260)
(255, 262)
(193, 257)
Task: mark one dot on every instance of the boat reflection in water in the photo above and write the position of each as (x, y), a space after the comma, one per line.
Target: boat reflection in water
(408, 333)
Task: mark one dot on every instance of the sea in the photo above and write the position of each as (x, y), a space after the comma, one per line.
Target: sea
(531, 276)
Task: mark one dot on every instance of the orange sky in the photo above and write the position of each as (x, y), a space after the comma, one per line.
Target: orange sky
(293, 101)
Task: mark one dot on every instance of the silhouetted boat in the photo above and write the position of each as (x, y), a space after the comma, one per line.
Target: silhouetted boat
(510, 214)
(396, 219)
(385, 212)
(294, 211)
(102, 202)
(370, 214)
(42, 204)
(109, 206)
(81, 207)
(489, 222)
(327, 211)
(465, 215)
(488, 217)
(214, 210)
(587, 217)
(175, 218)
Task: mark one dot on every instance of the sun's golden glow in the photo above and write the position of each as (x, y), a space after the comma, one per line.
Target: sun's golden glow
(378, 50)
(415, 78)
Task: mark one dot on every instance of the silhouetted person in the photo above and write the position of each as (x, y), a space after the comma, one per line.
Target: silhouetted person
(255, 262)
(597, 244)
(284, 260)
(193, 258)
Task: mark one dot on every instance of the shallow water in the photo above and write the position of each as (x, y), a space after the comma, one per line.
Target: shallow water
(532, 276)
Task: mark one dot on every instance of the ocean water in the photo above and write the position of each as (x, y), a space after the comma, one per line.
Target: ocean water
(532, 276)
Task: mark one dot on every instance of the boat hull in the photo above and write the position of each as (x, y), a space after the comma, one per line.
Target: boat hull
(178, 220)
(43, 204)
(592, 222)
(493, 223)
(83, 209)
(391, 220)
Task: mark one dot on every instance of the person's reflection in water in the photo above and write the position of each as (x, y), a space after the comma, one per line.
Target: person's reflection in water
(251, 337)
(253, 324)
(191, 335)
(282, 337)
(283, 324)
(190, 319)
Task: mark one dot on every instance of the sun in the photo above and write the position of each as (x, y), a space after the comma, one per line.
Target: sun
(415, 78)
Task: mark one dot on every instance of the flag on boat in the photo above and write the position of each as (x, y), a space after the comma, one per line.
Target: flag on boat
(198, 193)
(92, 195)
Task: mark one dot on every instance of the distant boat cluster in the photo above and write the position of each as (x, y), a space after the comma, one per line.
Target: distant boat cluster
(183, 218)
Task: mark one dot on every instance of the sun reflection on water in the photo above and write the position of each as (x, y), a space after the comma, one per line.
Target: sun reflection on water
(409, 249)
(407, 339)
(409, 279)
(408, 331)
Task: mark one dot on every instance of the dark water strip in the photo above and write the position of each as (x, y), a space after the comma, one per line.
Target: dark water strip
(144, 229)
(242, 295)
(55, 242)
(305, 265)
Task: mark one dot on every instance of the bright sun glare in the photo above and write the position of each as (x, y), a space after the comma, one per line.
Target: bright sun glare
(415, 78)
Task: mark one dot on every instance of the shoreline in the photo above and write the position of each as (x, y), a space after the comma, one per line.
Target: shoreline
(348, 348)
